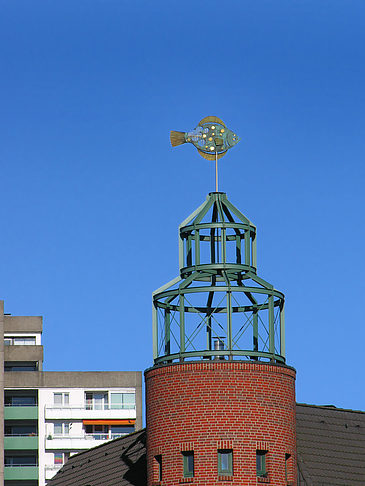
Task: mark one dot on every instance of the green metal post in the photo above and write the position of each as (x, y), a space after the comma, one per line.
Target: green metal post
(209, 333)
(255, 330)
(154, 331)
(254, 251)
(229, 321)
(247, 247)
(282, 331)
(188, 252)
(271, 325)
(238, 249)
(182, 324)
(224, 245)
(167, 331)
(197, 247)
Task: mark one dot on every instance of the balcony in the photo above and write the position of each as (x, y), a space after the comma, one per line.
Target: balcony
(19, 473)
(23, 353)
(20, 442)
(80, 412)
(85, 441)
(21, 412)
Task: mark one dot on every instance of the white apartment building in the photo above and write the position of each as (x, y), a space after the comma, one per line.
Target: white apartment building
(77, 419)
(49, 416)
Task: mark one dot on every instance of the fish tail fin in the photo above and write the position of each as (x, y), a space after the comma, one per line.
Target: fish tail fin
(177, 138)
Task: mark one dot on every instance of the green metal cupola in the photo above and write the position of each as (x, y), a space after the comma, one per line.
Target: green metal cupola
(218, 308)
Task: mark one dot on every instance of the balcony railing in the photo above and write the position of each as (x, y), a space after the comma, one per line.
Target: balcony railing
(32, 434)
(21, 465)
(21, 405)
(93, 436)
(90, 407)
(20, 472)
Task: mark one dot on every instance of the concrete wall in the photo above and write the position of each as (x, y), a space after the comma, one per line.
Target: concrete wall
(23, 353)
(22, 324)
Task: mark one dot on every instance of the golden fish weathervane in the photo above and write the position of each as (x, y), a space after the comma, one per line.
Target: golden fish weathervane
(211, 137)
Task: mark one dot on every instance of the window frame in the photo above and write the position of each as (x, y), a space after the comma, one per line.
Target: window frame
(96, 400)
(188, 472)
(65, 429)
(65, 399)
(261, 471)
(229, 470)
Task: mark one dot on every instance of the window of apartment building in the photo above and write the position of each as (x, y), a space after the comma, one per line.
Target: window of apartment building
(122, 400)
(119, 430)
(19, 400)
(97, 432)
(188, 464)
(261, 466)
(19, 340)
(20, 430)
(61, 399)
(61, 428)
(20, 459)
(20, 366)
(60, 458)
(96, 401)
(225, 462)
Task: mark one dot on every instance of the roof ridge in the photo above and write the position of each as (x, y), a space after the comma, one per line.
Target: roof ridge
(330, 407)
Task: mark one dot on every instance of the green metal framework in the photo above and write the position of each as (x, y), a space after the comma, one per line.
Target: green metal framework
(218, 308)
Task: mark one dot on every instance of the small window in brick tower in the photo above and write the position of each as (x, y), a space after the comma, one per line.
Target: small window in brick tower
(287, 473)
(261, 465)
(225, 462)
(158, 468)
(188, 462)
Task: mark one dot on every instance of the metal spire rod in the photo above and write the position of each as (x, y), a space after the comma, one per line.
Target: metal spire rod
(216, 172)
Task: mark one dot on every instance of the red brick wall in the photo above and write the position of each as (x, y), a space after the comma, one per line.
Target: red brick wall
(220, 405)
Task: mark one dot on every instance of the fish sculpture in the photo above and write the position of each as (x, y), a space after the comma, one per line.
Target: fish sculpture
(211, 137)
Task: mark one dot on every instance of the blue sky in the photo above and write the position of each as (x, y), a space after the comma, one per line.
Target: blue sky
(92, 193)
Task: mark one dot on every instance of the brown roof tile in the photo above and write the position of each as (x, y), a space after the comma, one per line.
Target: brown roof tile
(121, 462)
(331, 446)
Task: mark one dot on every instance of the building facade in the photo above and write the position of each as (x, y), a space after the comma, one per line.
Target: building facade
(49, 416)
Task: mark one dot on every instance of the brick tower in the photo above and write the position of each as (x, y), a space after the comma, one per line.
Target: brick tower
(220, 400)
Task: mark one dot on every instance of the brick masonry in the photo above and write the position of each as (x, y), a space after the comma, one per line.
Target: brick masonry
(203, 407)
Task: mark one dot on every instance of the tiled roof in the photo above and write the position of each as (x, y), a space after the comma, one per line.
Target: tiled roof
(331, 446)
(331, 452)
(120, 462)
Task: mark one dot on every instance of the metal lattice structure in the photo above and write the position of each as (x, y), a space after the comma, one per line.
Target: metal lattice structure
(218, 308)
